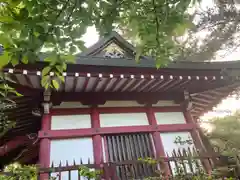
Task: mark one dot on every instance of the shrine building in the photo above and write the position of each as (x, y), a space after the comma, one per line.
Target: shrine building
(110, 108)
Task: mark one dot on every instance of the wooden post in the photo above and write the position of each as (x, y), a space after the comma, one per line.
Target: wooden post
(44, 150)
(97, 139)
(157, 141)
(197, 140)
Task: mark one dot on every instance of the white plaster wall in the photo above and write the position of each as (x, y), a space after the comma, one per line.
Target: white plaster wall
(170, 118)
(121, 104)
(169, 145)
(123, 119)
(71, 122)
(165, 103)
(69, 150)
(70, 105)
(135, 104)
(169, 138)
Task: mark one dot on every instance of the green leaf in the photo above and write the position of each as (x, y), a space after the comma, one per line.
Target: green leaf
(6, 19)
(25, 59)
(39, 29)
(80, 45)
(55, 84)
(46, 70)
(61, 78)
(180, 30)
(4, 59)
(138, 54)
(24, 13)
(73, 49)
(45, 81)
(14, 61)
(69, 58)
(18, 94)
(59, 68)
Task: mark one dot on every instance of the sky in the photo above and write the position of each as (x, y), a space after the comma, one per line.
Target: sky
(227, 106)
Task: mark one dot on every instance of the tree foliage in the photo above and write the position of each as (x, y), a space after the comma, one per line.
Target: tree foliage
(28, 26)
(215, 34)
(225, 134)
(212, 32)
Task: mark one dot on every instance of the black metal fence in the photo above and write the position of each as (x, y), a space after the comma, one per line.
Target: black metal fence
(186, 162)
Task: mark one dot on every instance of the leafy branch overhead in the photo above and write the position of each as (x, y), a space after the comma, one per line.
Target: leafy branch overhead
(30, 26)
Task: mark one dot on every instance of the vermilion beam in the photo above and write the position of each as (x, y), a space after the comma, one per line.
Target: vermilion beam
(60, 134)
(197, 139)
(97, 140)
(157, 140)
(94, 97)
(112, 110)
(44, 151)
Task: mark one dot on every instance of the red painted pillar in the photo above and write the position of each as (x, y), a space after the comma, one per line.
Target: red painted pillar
(97, 139)
(197, 139)
(157, 140)
(44, 150)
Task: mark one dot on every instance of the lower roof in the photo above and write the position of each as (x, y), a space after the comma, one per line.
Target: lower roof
(205, 82)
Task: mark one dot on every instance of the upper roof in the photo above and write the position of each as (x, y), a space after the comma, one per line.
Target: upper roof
(113, 50)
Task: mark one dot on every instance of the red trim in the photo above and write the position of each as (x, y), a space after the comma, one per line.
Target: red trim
(44, 150)
(197, 139)
(97, 139)
(57, 134)
(110, 110)
(188, 117)
(157, 139)
(151, 117)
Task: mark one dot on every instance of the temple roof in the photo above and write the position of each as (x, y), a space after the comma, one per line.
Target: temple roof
(108, 70)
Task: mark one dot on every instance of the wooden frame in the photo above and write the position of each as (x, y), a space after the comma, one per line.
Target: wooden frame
(96, 131)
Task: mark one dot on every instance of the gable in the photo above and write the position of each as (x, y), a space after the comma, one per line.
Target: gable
(112, 46)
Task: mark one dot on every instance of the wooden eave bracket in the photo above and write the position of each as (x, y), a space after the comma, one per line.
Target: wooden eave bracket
(187, 101)
(47, 101)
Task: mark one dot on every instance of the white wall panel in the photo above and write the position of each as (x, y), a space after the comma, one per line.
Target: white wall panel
(71, 122)
(165, 103)
(69, 150)
(170, 118)
(169, 144)
(121, 104)
(169, 138)
(123, 119)
(70, 105)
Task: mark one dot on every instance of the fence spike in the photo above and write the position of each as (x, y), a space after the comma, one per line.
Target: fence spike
(184, 152)
(179, 153)
(189, 151)
(74, 162)
(174, 153)
(66, 162)
(52, 165)
(89, 161)
(81, 162)
(60, 164)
